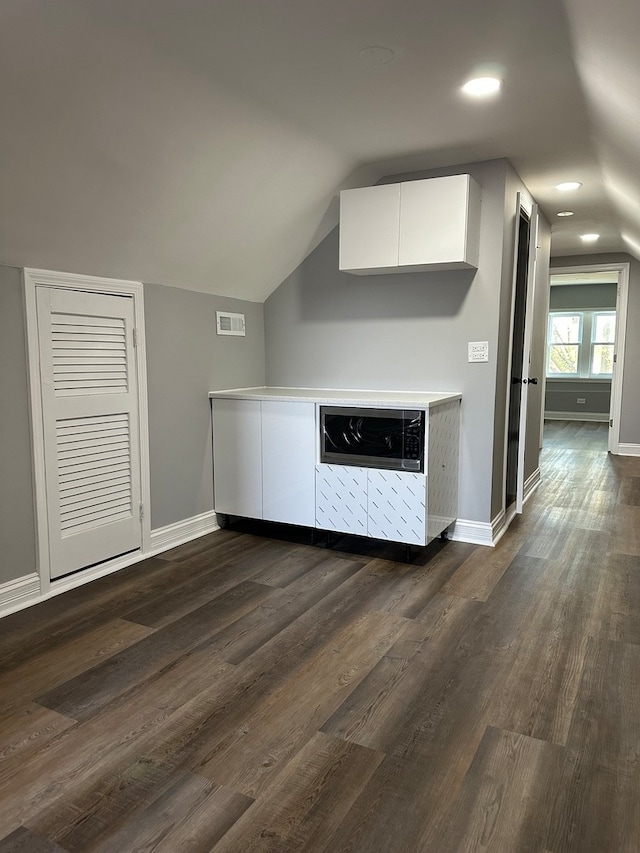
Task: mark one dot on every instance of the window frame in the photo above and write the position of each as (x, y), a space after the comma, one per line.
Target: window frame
(585, 344)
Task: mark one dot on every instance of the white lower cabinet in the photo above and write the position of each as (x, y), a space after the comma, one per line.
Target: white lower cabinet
(263, 460)
(371, 502)
(264, 464)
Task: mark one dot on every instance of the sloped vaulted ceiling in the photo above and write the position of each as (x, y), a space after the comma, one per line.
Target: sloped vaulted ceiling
(202, 143)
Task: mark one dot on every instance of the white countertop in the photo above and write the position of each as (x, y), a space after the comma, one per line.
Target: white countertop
(342, 397)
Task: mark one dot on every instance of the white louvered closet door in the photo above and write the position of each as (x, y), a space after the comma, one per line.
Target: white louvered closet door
(90, 419)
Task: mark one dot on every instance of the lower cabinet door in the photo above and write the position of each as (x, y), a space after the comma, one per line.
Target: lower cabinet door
(237, 457)
(396, 506)
(288, 462)
(341, 499)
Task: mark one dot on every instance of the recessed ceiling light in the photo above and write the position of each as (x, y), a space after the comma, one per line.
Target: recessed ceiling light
(565, 186)
(565, 213)
(480, 87)
(589, 238)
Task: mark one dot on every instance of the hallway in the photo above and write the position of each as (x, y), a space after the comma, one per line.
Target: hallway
(243, 693)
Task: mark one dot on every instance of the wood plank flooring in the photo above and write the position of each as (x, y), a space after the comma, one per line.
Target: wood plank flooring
(248, 693)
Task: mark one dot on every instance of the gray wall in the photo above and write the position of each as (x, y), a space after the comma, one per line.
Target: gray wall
(17, 525)
(186, 360)
(562, 394)
(585, 297)
(630, 404)
(406, 331)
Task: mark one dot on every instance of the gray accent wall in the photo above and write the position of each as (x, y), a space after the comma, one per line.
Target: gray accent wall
(410, 331)
(17, 520)
(630, 403)
(185, 360)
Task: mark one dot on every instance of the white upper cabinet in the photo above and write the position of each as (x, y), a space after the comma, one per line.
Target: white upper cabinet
(410, 227)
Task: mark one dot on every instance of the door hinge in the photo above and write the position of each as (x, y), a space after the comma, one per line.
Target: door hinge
(615, 357)
(135, 337)
(611, 422)
(141, 508)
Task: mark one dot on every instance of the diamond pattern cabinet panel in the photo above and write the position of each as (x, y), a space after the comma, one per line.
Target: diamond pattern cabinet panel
(443, 441)
(341, 499)
(396, 506)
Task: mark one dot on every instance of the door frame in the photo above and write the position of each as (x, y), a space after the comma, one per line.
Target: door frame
(534, 225)
(622, 299)
(524, 204)
(33, 278)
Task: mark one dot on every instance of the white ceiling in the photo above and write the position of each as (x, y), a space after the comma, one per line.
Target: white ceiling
(202, 143)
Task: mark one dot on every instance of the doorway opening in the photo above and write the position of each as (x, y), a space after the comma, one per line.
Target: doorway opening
(518, 378)
(584, 362)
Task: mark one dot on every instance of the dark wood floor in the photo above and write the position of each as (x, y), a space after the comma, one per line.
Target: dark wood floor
(242, 693)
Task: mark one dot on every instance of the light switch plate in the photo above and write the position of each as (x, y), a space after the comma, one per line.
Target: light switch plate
(478, 351)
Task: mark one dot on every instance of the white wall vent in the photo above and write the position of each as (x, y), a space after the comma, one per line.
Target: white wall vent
(229, 324)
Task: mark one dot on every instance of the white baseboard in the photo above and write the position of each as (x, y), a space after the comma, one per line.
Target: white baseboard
(473, 532)
(19, 593)
(25, 591)
(599, 417)
(531, 484)
(485, 533)
(180, 532)
(629, 449)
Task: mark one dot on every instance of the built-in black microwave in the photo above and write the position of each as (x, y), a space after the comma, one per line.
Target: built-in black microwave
(373, 438)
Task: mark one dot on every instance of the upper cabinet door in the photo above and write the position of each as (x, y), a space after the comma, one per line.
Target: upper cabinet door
(435, 222)
(369, 225)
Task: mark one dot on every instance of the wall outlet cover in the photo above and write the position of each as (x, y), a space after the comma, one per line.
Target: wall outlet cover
(478, 351)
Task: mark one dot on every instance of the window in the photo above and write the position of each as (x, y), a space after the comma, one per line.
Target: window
(580, 344)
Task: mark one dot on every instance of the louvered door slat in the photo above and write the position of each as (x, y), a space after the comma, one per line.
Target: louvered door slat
(72, 347)
(94, 431)
(81, 469)
(78, 445)
(71, 425)
(70, 370)
(97, 452)
(67, 335)
(77, 321)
